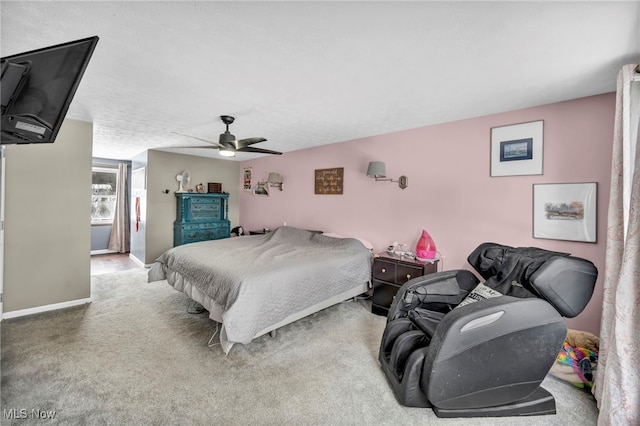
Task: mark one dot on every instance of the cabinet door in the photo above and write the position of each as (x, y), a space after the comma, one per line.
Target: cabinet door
(383, 294)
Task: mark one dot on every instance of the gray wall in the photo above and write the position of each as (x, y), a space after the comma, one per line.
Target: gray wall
(158, 208)
(48, 220)
(138, 189)
(100, 236)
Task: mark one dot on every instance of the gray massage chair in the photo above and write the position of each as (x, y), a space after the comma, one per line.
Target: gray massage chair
(488, 358)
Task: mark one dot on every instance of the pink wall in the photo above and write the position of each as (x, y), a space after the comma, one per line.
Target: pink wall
(450, 192)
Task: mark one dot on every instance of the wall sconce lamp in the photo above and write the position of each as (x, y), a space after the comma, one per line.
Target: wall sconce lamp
(378, 170)
(274, 179)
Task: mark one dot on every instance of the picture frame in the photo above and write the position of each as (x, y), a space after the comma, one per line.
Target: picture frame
(517, 149)
(565, 211)
(261, 189)
(329, 181)
(246, 179)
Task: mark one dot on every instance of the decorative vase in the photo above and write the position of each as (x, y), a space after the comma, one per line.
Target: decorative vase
(426, 248)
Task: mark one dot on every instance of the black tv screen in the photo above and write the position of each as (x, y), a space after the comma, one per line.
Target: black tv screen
(37, 88)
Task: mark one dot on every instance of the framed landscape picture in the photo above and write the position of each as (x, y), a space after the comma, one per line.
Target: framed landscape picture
(565, 211)
(516, 150)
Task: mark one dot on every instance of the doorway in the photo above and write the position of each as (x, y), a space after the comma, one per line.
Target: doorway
(112, 262)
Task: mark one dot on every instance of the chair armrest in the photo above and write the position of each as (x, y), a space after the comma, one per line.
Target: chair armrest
(427, 323)
(441, 290)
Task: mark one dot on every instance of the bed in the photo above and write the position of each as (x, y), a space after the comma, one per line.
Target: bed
(255, 284)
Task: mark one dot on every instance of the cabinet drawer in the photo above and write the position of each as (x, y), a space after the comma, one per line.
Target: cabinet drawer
(385, 271)
(205, 207)
(396, 273)
(203, 235)
(205, 211)
(192, 236)
(199, 199)
(204, 215)
(195, 226)
(222, 232)
(405, 272)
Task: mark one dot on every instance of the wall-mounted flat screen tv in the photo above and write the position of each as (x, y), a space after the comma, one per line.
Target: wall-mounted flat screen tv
(37, 87)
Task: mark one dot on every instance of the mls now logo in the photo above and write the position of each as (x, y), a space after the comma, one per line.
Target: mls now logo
(14, 413)
(23, 413)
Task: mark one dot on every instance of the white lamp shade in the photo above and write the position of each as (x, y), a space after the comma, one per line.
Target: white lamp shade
(377, 169)
(274, 178)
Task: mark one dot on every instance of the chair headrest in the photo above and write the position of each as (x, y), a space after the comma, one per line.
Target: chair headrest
(566, 282)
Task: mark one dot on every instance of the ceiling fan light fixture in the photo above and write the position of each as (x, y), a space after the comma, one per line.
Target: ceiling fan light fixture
(228, 144)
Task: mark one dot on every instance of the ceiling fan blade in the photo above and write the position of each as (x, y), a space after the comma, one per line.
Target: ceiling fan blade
(215, 144)
(199, 146)
(250, 141)
(259, 150)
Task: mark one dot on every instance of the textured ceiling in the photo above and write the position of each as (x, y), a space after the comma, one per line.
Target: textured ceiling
(303, 74)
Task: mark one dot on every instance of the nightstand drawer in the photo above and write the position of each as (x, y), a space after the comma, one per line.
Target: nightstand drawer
(394, 272)
(385, 271)
(405, 272)
(389, 272)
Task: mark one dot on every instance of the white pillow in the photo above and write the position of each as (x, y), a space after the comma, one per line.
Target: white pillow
(481, 292)
(364, 242)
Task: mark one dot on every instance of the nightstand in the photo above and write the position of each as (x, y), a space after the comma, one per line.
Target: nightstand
(389, 273)
(260, 232)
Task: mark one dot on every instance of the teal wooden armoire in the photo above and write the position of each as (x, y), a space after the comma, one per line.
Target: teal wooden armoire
(201, 217)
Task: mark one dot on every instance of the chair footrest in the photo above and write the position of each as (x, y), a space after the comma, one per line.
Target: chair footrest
(539, 403)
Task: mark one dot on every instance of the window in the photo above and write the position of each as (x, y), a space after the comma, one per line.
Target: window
(103, 195)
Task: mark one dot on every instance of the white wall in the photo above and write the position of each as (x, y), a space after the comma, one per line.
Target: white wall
(48, 220)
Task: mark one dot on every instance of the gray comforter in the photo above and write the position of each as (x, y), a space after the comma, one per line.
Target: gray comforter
(259, 280)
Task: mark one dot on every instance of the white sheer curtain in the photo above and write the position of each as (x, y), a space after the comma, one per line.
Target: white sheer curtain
(617, 382)
(119, 239)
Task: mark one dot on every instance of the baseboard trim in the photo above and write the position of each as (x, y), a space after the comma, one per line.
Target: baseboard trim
(45, 308)
(102, 251)
(138, 261)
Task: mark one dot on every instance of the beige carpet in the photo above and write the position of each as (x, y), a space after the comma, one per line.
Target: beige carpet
(135, 356)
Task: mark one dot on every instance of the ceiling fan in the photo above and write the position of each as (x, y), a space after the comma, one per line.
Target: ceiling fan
(228, 145)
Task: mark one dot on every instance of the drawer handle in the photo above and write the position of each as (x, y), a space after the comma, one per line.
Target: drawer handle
(408, 277)
(384, 271)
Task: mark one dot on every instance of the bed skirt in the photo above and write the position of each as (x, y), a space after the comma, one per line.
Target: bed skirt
(179, 283)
